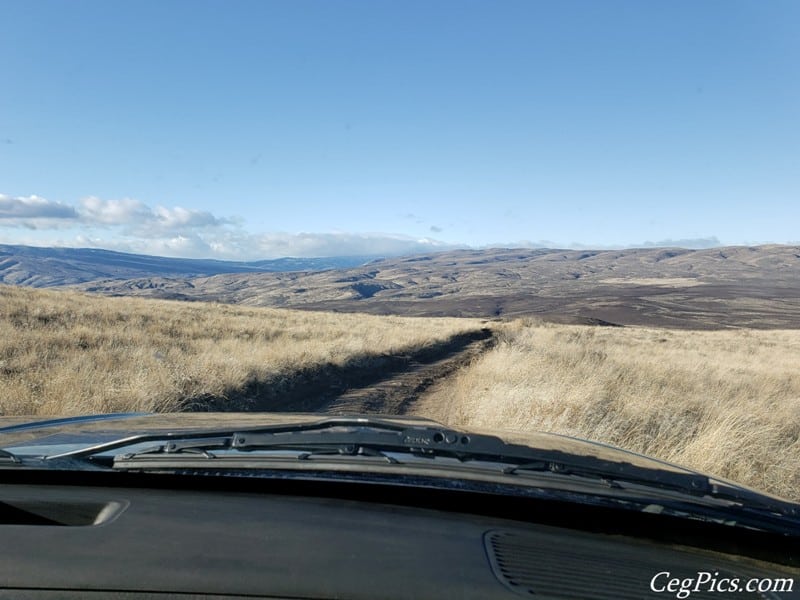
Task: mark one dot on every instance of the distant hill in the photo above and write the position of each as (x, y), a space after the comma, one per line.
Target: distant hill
(670, 287)
(46, 267)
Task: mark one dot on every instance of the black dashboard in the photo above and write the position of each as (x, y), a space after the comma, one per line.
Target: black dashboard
(234, 539)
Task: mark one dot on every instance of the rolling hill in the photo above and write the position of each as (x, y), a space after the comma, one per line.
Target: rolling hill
(669, 287)
(47, 267)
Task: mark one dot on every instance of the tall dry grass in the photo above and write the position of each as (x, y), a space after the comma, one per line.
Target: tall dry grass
(724, 402)
(66, 353)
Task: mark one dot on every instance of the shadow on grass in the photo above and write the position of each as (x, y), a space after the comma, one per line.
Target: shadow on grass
(308, 390)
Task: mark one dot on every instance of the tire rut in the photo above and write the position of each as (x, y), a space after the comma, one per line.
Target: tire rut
(397, 393)
(387, 384)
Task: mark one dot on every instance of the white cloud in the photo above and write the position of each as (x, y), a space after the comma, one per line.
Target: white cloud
(133, 216)
(137, 215)
(189, 246)
(182, 217)
(239, 245)
(130, 225)
(342, 244)
(34, 212)
(127, 211)
(688, 243)
(691, 243)
(124, 224)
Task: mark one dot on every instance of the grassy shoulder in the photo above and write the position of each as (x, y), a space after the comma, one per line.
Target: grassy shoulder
(724, 402)
(65, 353)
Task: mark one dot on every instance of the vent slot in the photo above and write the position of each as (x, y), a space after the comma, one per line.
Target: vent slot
(569, 566)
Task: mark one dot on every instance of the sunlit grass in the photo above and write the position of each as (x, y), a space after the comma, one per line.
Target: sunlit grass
(64, 353)
(725, 402)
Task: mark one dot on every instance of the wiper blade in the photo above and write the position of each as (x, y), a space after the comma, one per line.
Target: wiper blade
(379, 437)
(419, 440)
(704, 486)
(202, 446)
(465, 447)
(242, 438)
(206, 448)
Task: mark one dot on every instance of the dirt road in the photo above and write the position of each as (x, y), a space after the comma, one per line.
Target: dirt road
(388, 384)
(399, 388)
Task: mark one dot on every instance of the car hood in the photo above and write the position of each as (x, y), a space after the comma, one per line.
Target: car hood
(55, 435)
(73, 433)
(85, 431)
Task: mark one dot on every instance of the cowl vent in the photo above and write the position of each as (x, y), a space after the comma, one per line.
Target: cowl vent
(573, 566)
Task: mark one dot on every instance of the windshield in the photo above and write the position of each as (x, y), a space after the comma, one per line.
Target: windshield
(577, 218)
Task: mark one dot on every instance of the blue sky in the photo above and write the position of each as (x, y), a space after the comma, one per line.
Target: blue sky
(246, 130)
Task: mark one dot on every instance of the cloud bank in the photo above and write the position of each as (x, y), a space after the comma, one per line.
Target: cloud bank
(33, 212)
(130, 225)
(688, 243)
(693, 243)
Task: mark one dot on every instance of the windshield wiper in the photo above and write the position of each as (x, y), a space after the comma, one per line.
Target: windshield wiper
(206, 448)
(7, 457)
(384, 436)
(349, 450)
(370, 437)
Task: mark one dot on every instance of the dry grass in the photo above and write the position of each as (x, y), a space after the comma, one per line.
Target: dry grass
(724, 402)
(66, 353)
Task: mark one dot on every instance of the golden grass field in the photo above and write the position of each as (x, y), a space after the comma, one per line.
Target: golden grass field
(65, 353)
(724, 402)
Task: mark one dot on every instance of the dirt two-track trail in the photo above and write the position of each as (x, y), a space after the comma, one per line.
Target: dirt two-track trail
(388, 384)
(402, 387)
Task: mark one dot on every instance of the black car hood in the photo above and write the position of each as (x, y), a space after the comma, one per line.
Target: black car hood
(95, 429)
(84, 431)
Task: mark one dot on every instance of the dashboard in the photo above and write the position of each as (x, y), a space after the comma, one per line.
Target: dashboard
(234, 539)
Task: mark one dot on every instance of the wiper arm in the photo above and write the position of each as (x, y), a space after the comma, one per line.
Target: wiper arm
(202, 446)
(305, 433)
(177, 441)
(428, 442)
(205, 448)
(379, 437)
(424, 441)
(7, 457)
(349, 450)
(746, 499)
(601, 472)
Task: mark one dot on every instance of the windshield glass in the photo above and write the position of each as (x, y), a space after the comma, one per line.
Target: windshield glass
(568, 217)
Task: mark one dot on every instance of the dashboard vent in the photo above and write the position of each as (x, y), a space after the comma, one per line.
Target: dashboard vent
(569, 566)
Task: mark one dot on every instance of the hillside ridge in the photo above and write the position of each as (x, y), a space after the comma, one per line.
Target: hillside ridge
(668, 287)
